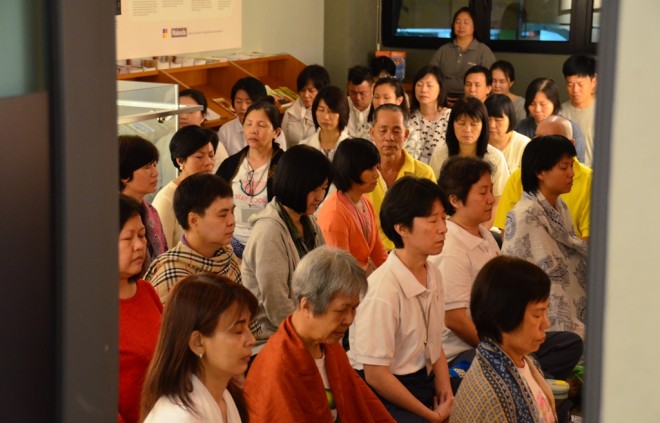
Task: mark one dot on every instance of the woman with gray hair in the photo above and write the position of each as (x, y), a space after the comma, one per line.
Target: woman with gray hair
(303, 374)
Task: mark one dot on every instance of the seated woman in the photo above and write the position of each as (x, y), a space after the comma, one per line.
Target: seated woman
(250, 171)
(509, 301)
(138, 176)
(542, 100)
(188, 97)
(395, 339)
(192, 150)
(330, 113)
(467, 135)
(204, 346)
(139, 311)
(386, 91)
(298, 121)
(539, 229)
(504, 76)
(347, 217)
(302, 374)
(244, 93)
(428, 119)
(468, 247)
(389, 132)
(282, 234)
(501, 122)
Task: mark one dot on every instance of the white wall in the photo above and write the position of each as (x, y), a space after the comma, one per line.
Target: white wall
(631, 375)
(283, 26)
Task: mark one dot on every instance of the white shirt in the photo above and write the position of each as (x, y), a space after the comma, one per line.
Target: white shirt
(315, 142)
(461, 259)
(356, 119)
(164, 205)
(320, 364)
(250, 197)
(166, 411)
(542, 403)
(493, 155)
(231, 136)
(297, 123)
(390, 326)
(514, 150)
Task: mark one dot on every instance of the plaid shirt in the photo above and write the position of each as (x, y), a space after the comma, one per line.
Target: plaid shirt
(172, 266)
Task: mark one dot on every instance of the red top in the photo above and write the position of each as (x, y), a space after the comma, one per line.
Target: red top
(139, 324)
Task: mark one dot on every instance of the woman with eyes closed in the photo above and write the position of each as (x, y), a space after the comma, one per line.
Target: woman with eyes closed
(330, 112)
(467, 135)
(140, 310)
(541, 101)
(192, 151)
(387, 90)
(347, 217)
(203, 349)
(501, 121)
(428, 119)
(250, 171)
(504, 76)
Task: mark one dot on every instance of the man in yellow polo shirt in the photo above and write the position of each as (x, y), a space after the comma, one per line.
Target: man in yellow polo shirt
(578, 200)
(389, 132)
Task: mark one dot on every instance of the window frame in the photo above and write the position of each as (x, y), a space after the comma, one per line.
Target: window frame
(579, 39)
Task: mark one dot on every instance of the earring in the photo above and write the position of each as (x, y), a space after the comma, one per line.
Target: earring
(201, 355)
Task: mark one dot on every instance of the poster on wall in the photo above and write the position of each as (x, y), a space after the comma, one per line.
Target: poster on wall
(147, 28)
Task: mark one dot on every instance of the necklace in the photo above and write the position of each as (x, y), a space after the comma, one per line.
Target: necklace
(250, 185)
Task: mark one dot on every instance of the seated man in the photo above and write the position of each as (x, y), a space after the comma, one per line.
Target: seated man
(477, 82)
(389, 132)
(468, 247)
(580, 75)
(302, 374)
(396, 337)
(360, 86)
(204, 207)
(578, 200)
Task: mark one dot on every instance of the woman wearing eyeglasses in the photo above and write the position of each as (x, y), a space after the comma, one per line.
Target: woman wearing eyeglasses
(250, 171)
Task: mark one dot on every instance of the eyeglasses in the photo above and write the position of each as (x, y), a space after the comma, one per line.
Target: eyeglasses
(249, 186)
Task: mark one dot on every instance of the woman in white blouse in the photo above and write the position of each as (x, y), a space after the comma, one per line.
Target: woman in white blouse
(204, 344)
(298, 123)
(501, 122)
(330, 112)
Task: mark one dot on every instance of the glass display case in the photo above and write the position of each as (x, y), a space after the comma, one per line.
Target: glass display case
(149, 109)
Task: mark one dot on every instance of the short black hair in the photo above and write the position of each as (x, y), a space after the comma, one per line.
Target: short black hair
(472, 108)
(579, 65)
(336, 100)
(129, 207)
(196, 95)
(187, 140)
(254, 88)
(458, 174)
(393, 108)
(409, 197)
(469, 11)
(316, 74)
(134, 152)
(382, 63)
(267, 105)
(358, 74)
(196, 193)
(353, 156)
(301, 170)
(540, 154)
(480, 69)
(426, 70)
(500, 105)
(505, 67)
(548, 87)
(501, 292)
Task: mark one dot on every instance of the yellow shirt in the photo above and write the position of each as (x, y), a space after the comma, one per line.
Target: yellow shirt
(411, 167)
(578, 200)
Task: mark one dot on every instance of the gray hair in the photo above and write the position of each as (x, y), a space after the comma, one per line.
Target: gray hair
(324, 273)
